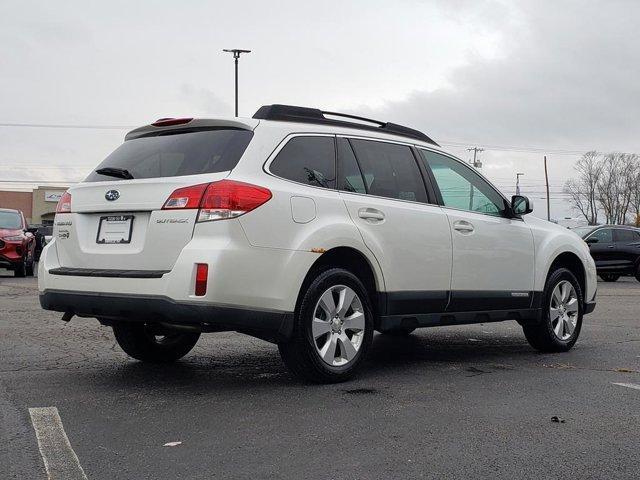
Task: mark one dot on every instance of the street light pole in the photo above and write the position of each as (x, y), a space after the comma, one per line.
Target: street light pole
(518, 183)
(236, 55)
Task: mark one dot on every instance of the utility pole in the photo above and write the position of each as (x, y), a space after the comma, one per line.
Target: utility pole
(518, 175)
(236, 55)
(546, 179)
(476, 163)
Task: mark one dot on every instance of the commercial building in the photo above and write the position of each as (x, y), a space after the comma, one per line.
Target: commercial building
(38, 205)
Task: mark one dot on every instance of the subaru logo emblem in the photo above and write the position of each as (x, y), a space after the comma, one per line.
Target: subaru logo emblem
(112, 195)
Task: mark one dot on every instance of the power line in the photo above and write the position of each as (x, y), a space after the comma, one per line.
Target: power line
(56, 125)
(466, 145)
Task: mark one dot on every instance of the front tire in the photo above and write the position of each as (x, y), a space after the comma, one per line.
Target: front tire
(333, 329)
(609, 277)
(561, 320)
(140, 341)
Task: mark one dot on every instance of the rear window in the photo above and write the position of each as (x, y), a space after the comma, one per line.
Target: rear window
(177, 154)
(10, 220)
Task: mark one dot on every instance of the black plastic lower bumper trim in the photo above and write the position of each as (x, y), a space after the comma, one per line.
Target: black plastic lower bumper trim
(107, 272)
(267, 324)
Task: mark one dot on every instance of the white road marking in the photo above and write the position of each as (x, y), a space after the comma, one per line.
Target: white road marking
(60, 461)
(629, 385)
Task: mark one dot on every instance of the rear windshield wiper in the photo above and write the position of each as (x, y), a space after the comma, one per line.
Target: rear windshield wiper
(115, 172)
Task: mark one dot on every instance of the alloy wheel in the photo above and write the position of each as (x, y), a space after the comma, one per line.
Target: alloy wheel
(338, 325)
(563, 310)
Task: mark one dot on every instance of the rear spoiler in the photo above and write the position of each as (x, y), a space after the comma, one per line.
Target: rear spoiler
(194, 125)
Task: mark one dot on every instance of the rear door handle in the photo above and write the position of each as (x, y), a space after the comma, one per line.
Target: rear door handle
(463, 226)
(371, 214)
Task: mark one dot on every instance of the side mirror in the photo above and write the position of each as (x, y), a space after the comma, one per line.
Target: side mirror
(592, 240)
(521, 205)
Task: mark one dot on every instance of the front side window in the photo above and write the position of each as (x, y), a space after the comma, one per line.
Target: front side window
(461, 187)
(626, 236)
(10, 220)
(389, 170)
(177, 153)
(308, 160)
(603, 235)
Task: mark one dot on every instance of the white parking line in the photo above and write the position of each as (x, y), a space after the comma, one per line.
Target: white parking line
(60, 461)
(629, 385)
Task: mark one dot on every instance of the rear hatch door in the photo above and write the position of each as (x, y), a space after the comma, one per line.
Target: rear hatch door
(118, 223)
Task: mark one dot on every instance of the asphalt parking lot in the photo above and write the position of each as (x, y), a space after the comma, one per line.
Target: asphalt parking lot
(455, 402)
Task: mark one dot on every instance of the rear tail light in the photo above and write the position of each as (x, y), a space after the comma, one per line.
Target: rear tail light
(229, 199)
(64, 204)
(202, 274)
(187, 197)
(219, 200)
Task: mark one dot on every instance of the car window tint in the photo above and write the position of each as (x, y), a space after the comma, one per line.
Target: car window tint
(390, 170)
(461, 187)
(624, 236)
(174, 154)
(309, 160)
(350, 178)
(603, 235)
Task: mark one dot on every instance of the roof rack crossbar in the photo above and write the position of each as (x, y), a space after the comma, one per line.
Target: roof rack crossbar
(290, 113)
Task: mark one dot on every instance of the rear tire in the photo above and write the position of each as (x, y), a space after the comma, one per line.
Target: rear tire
(333, 329)
(609, 277)
(638, 273)
(20, 270)
(138, 341)
(561, 321)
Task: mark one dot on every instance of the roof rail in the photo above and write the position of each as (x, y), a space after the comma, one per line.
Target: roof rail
(289, 113)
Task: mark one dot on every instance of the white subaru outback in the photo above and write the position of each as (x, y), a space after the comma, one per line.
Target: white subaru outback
(306, 228)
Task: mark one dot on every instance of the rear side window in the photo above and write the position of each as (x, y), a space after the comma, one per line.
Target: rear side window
(177, 154)
(626, 236)
(308, 160)
(389, 170)
(349, 177)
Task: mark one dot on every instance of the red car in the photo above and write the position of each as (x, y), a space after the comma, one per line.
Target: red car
(17, 246)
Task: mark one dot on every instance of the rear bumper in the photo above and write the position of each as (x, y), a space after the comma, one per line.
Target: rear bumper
(270, 325)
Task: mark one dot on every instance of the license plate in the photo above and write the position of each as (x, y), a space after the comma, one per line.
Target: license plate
(115, 229)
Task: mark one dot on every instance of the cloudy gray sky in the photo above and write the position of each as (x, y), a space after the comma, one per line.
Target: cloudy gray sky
(520, 78)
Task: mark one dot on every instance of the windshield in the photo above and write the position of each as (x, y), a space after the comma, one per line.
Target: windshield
(10, 220)
(175, 154)
(583, 231)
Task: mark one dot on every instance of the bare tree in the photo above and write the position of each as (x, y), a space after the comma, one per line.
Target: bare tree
(635, 193)
(583, 190)
(617, 185)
